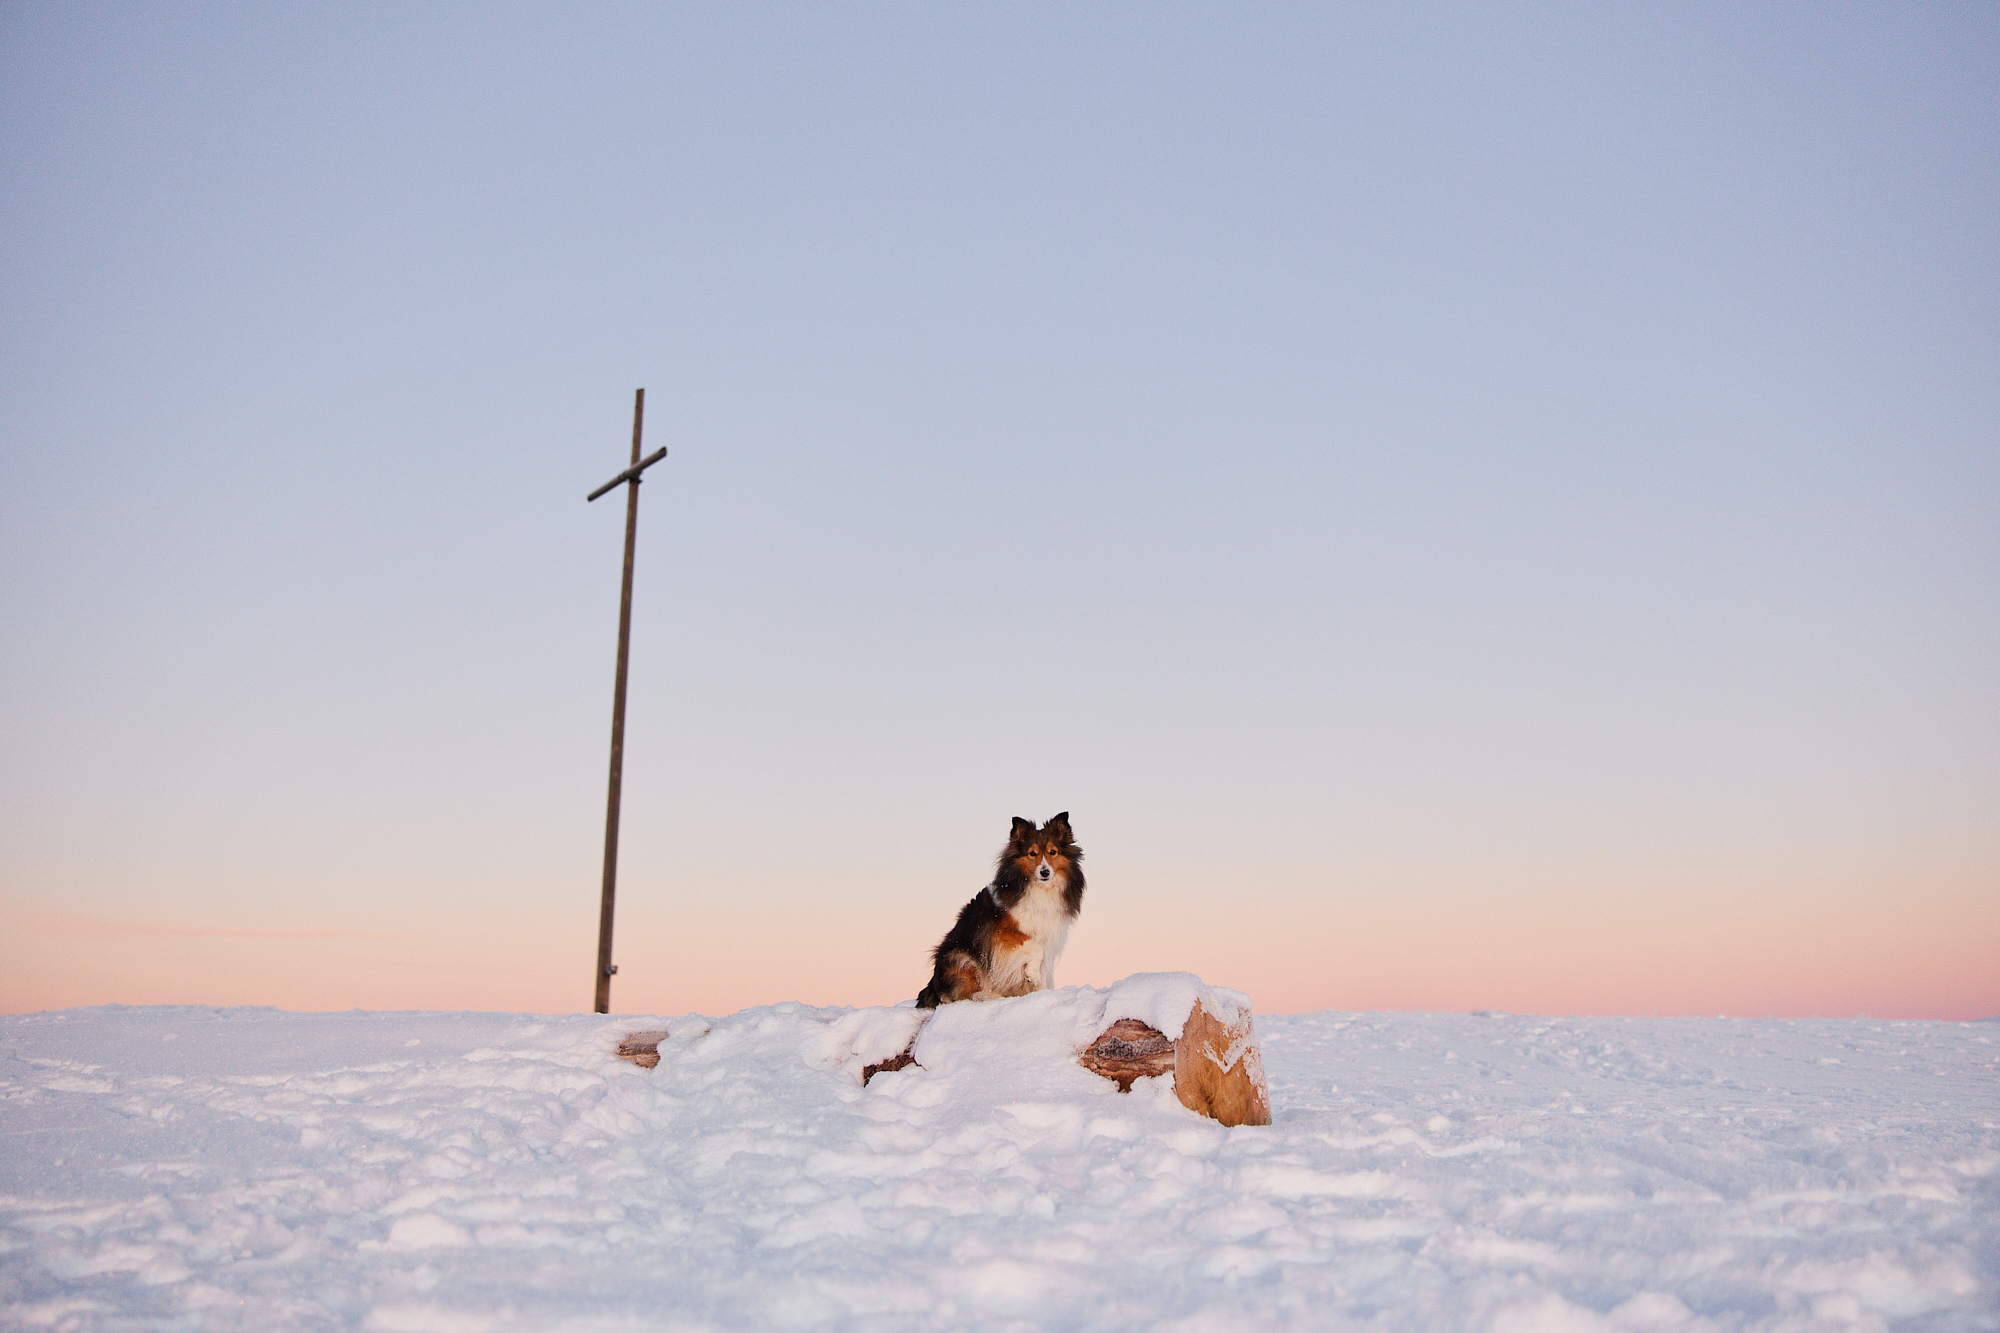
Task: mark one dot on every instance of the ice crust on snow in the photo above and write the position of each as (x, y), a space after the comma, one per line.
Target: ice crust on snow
(251, 1169)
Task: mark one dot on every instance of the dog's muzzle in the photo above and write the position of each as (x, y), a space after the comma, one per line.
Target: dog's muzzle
(1045, 874)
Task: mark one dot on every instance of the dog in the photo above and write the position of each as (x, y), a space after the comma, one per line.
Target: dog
(1007, 939)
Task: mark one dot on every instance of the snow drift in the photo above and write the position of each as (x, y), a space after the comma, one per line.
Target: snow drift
(180, 1168)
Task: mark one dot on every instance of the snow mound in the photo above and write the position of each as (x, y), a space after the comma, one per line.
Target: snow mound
(1029, 1043)
(250, 1169)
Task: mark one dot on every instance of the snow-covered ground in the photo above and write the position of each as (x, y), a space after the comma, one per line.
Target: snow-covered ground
(185, 1168)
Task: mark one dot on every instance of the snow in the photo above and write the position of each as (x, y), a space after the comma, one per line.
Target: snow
(973, 1053)
(187, 1168)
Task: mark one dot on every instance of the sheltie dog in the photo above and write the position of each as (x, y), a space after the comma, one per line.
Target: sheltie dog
(1007, 939)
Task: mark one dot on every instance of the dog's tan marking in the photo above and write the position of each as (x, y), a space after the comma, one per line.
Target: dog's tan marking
(1007, 933)
(964, 979)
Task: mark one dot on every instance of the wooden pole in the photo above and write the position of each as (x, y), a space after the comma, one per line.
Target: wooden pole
(606, 969)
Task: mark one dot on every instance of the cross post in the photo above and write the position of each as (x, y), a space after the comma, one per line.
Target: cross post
(629, 478)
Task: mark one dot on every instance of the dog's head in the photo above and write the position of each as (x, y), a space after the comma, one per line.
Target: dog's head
(1045, 855)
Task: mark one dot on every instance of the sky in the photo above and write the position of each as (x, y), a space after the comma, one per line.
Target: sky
(1467, 507)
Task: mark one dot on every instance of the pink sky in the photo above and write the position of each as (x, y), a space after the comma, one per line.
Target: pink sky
(1487, 514)
(1796, 952)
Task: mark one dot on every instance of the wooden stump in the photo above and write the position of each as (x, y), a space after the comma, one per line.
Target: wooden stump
(1128, 1051)
(1216, 1066)
(641, 1048)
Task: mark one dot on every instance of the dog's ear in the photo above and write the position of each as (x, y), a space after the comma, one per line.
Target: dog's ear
(1024, 829)
(1059, 827)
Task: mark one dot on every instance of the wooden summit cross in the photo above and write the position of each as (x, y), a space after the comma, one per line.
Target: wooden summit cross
(629, 478)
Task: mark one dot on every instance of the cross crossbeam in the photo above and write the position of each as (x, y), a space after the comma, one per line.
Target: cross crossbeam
(630, 473)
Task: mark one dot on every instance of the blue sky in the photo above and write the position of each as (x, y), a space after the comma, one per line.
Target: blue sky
(1466, 506)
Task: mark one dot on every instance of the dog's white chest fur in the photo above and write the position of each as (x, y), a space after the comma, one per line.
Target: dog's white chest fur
(1031, 966)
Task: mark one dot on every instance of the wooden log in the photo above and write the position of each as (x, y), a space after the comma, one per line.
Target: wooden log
(1128, 1051)
(1217, 1069)
(902, 1060)
(641, 1048)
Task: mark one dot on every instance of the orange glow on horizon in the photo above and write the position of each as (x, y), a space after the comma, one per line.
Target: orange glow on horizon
(1919, 971)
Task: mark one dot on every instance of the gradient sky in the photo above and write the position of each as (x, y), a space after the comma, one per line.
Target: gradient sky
(1468, 507)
